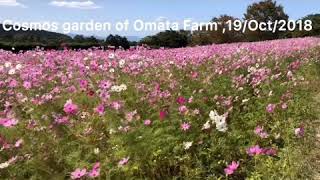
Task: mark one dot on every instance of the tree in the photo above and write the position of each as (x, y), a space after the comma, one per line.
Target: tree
(79, 38)
(117, 41)
(228, 36)
(169, 38)
(201, 38)
(218, 36)
(265, 11)
(315, 19)
(92, 40)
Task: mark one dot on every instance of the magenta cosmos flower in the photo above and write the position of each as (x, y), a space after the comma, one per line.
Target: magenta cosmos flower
(181, 100)
(162, 115)
(70, 108)
(231, 168)
(78, 173)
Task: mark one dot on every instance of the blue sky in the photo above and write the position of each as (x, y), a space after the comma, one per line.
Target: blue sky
(147, 10)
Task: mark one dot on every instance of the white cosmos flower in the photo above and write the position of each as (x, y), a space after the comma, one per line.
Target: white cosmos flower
(123, 87)
(120, 88)
(7, 64)
(11, 71)
(187, 145)
(220, 121)
(112, 131)
(245, 100)
(18, 66)
(4, 165)
(206, 125)
(222, 127)
(111, 56)
(122, 62)
(111, 70)
(96, 150)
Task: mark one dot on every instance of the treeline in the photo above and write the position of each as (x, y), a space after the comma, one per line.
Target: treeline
(26, 40)
(263, 11)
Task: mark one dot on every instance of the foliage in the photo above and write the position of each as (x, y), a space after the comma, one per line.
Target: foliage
(264, 11)
(169, 38)
(315, 18)
(117, 41)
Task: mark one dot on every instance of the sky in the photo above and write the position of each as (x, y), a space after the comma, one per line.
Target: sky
(147, 10)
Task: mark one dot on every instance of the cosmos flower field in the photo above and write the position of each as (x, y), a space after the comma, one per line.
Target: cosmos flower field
(230, 111)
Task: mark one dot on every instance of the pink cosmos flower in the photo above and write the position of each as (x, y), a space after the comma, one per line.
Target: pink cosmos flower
(105, 84)
(61, 120)
(255, 150)
(231, 168)
(295, 65)
(70, 108)
(270, 151)
(194, 75)
(8, 122)
(27, 85)
(284, 105)
(147, 122)
(260, 132)
(13, 83)
(72, 89)
(78, 173)
(123, 161)
(185, 126)
(31, 124)
(95, 172)
(183, 109)
(299, 132)
(18, 143)
(100, 109)
(270, 108)
(130, 115)
(116, 105)
(83, 84)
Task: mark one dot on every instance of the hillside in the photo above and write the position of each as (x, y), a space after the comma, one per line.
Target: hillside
(31, 36)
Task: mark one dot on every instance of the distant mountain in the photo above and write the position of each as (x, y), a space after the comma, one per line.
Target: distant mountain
(71, 35)
(30, 39)
(32, 36)
(133, 38)
(130, 38)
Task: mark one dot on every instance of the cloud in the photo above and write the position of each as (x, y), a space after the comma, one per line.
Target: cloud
(12, 3)
(74, 4)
